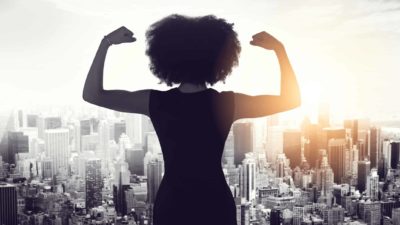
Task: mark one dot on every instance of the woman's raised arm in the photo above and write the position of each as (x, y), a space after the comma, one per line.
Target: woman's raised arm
(247, 106)
(119, 100)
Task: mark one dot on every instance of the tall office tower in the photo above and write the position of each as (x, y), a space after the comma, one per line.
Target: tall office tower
(119, 128)
(124, 143)
(353, 125)
(243, 140)
(396, 216)
(386, 152)
(363, 137)
(21, 119)
(8, 204)
(292, 147)
(57, 149)
(274, 142)
(325, 177)
(280, 165)
(31, 120)
(354, 161)
(94, 183)
(337, 158)
(311, 145)
(133, 127)
(104, 147)
(147, 126)
(373, 184)
(323, 114)
(394, 155)
(17, 143)
(155, 170)
(135, 160)
(363, 171)
(228, 155)
(248, 178)
(374, 134)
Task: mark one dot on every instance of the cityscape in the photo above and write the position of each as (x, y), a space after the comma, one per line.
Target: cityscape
(101, 166)
(335, 160)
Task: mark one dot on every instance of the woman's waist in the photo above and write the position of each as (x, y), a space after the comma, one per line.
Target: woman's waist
(191, 178)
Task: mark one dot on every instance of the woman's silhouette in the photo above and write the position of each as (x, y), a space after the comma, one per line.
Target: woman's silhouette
(192, 121)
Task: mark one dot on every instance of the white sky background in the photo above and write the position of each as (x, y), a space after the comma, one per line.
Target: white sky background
(344, 51)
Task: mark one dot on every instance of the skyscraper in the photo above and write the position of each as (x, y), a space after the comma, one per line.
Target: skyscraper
(373, 184)
(56, 148)
(243, 140)
(94, 183)
(155, 169)
(248, 177)
(292, 147)
(373, 146)
(8, 204)
(337, 158)
(17, 143)
(363, 171)
(325, 177)
(395, 154)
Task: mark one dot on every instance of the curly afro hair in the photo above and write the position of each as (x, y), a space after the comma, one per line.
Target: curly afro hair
(195, 50)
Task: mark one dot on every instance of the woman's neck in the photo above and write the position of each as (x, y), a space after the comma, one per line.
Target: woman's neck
(189, 87)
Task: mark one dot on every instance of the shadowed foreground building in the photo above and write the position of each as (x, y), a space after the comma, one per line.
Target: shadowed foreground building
(8, 204)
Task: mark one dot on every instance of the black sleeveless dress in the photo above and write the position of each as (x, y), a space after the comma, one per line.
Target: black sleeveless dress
(192, 129)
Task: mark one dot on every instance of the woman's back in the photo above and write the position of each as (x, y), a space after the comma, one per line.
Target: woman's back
(192, 129)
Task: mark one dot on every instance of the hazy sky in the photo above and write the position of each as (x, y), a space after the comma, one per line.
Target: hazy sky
(344, 51)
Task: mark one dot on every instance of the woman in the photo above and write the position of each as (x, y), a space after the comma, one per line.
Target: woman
(192, 121)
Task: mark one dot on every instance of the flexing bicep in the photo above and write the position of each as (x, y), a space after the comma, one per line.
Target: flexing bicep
(247, 106)
(124, 101)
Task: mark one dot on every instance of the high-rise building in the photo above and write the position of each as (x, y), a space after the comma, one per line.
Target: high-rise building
(395, 155)
(292, 147)
(373, 184)
(133, 127)
(325, 177)
(57, 149)
(248, 177)
(353, 125)
(17, 143)
(298, 213)
(280, 165)
(337, 158)
(374, 134)
(94, 183)
(228, 155)
(243, 140)
(363, 171)
(135, 160)
(8, 204)
(155, 170)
